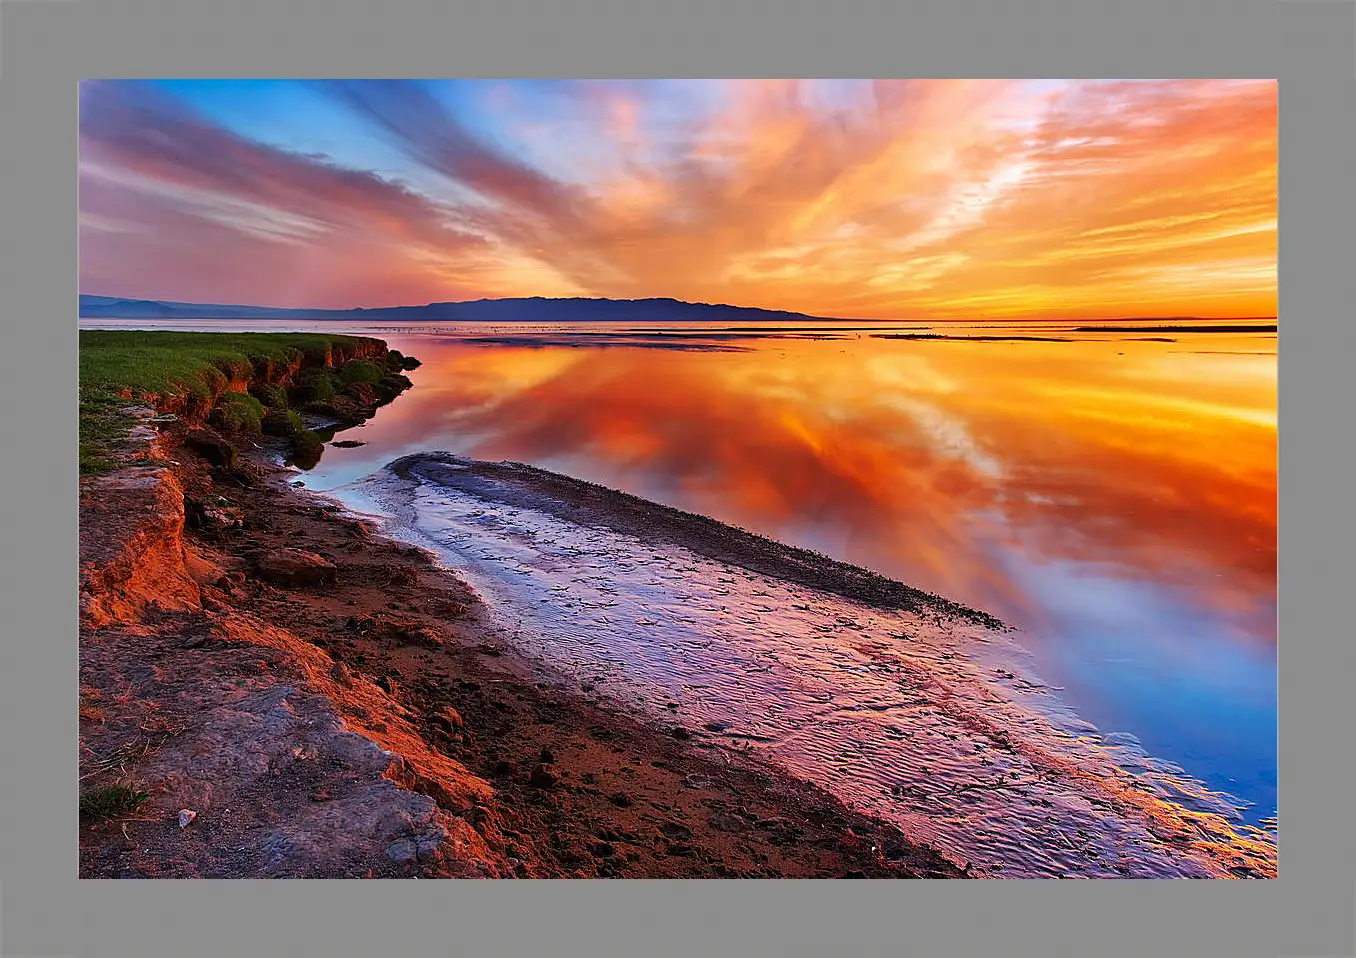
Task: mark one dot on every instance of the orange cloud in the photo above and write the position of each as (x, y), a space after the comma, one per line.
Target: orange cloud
(927, 198)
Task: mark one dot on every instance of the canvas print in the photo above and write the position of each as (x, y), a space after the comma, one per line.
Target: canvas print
(677, 478)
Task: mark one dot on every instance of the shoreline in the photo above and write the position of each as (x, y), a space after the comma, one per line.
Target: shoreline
(580, 501)
(348, 712)
(284, 691)
(993, 725)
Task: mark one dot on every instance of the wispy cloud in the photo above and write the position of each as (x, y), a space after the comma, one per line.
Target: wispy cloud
(867, 198)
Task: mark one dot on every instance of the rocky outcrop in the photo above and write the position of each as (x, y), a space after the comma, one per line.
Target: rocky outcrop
(260, 755)
(239, 724)
(194, 409)
(132, 548)
(211, 447)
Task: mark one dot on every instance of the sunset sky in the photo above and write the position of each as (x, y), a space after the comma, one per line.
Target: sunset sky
(865, 199)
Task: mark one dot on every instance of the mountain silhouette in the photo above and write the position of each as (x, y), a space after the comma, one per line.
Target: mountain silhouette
(521, 310)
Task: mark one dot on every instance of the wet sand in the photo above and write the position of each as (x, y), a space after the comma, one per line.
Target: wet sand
(576, 788)
(583, 502)
(902, 703)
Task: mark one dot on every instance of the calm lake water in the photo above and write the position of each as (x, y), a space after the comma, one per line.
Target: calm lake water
(1113, 495)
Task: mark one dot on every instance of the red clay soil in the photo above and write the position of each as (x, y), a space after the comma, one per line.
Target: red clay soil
(344, 710)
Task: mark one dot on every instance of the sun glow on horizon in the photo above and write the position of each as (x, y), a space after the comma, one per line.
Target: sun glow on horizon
(930, 199)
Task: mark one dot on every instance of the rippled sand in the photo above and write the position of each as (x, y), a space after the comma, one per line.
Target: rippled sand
(913, 711)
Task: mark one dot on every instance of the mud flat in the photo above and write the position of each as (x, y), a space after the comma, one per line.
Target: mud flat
(906, 706)
(271, 688)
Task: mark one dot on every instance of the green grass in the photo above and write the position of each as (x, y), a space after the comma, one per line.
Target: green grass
(238, 413)
(307, 448)
(283, 422)
(102, 425)
(111, 801)
(362, 371)
(122, 367)
(314, 385)
(270, 395)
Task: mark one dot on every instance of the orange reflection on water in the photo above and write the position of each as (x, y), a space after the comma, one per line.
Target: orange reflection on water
(918, 459)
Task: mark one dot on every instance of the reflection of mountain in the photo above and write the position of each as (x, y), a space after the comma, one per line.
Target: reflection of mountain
(530, 310)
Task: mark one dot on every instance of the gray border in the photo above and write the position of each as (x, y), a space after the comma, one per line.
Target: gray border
(47, 46)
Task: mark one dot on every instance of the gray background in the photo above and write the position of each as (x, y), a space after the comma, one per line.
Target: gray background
(47, 45)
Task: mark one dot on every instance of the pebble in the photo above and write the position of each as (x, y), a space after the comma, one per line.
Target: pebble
(186, 816)
(543, 777)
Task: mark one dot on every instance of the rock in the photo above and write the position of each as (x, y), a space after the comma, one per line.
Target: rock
(543, 777)
(247, 474)
(726, 822)
(212, 514)
(547, 756)
(212, 604)
(297, 568)
(347, 444)
(387, 685)
(602, 849)
(403, 851)
(186, 816)
(221, 519)
(449, 720)
(679, 732)
(675, 831)
(696, 781)
(212, 447)
(429, 846)
(716, 726)
(621, 800)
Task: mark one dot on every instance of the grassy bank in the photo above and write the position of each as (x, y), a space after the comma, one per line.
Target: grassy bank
(240, 383)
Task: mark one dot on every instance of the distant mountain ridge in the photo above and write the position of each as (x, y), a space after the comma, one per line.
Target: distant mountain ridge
(528, 309)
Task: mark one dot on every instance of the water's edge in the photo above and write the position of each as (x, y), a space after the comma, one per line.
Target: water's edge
(909, 706)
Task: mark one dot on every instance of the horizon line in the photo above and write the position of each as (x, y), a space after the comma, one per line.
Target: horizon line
(670, 299)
